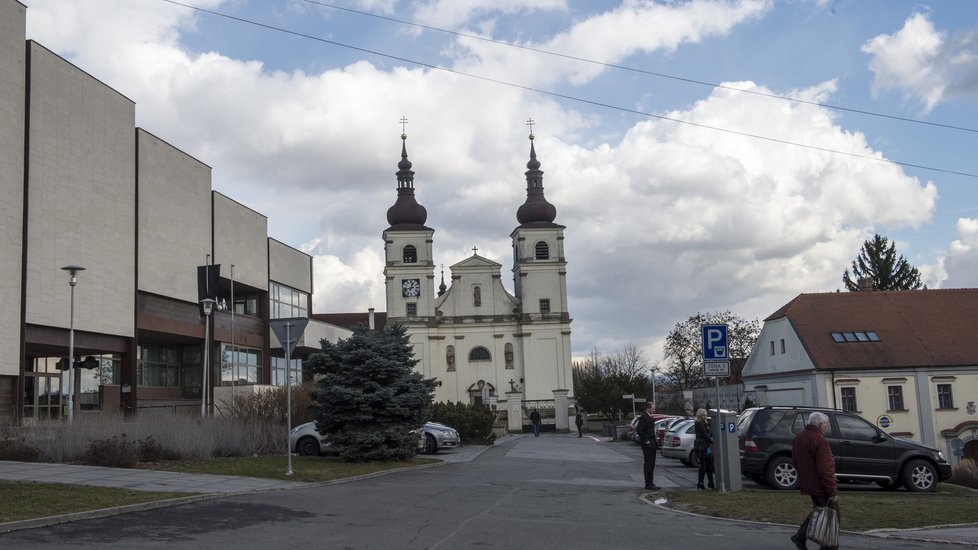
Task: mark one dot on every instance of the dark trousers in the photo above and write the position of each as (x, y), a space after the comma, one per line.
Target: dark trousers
(580, 433)
(649, 451)
(817, 500)
(706, 468)
(536, 429)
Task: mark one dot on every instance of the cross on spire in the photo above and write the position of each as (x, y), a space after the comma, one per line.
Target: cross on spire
(404, 122)
(475, 249)
(530, 123)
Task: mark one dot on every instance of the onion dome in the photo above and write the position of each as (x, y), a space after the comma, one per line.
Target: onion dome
(536, 209)
(442, 288)
(406, 211)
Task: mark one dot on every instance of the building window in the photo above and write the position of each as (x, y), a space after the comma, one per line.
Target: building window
(412, 310)
(479, 354)
(782, 345)
(542, 251)
(894, 396)
(285, 302)
(545, 306)
(158, 366)
(772, 347)
(279, 371)
(849, 399)
(944, 398)
(410, 254)
(860, 336)
(241, 366)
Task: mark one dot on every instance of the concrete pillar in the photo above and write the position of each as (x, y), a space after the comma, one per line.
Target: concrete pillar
(514, 411)
(561, 416)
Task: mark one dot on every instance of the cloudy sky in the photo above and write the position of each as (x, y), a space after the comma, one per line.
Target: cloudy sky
(703, 155)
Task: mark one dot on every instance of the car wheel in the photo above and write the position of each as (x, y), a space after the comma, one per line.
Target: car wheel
(430, 447)
(919, 475)
(307, 446)
(781, 473)
(694, 459)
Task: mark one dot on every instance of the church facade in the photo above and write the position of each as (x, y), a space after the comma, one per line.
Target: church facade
(483, 344)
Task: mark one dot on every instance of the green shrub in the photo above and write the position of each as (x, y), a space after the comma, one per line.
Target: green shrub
(474, 424)
(18, 450)
(114, 452)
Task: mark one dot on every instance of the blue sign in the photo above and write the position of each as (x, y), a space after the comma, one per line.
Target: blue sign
(715, 343)
(732, 428)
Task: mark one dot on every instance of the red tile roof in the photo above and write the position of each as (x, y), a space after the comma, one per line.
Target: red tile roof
(917, 328)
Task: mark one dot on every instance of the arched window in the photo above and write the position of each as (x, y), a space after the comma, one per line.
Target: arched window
(542, 251)
(410, 254)
(479, 354)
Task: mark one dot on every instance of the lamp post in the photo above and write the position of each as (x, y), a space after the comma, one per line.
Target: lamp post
(72, 281)
(654, 371)
(208, 305)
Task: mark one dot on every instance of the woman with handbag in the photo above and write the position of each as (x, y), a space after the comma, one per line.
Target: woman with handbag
(703, 449)
(815, 465)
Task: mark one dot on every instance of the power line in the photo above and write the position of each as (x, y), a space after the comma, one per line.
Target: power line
(569, 97)
(643, 71)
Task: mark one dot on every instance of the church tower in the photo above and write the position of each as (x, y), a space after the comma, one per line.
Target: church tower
(540, 281)
(409, 270)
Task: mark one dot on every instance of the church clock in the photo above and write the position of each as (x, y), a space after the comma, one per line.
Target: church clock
(410, 288)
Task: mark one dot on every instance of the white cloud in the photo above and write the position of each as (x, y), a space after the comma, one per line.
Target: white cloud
(961, 262)
(921, 61)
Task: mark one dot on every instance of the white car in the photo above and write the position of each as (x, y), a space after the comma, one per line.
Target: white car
(433, 437)
(678, 443)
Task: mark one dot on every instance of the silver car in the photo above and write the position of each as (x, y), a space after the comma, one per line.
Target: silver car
(678, 443)
(439, 436)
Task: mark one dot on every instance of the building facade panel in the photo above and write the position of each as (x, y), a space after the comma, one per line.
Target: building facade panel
(12, 108)
(174, 218)
(289, 266)
(240, 238)
(81, 198)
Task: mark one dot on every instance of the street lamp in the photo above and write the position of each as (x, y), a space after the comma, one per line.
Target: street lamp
(654, 371)
(208, 305)
(72, 281)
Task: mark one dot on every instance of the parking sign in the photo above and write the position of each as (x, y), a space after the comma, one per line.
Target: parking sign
(715, 343)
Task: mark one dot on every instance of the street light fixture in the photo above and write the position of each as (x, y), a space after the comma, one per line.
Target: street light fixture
(72, 281)
(208, 305)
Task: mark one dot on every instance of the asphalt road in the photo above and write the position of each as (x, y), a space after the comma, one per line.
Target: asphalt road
(555, 491)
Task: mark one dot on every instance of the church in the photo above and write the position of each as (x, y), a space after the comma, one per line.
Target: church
(485, 345)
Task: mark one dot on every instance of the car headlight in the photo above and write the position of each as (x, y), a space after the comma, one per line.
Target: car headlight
(940, 456)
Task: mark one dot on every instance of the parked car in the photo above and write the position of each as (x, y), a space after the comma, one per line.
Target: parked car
(306, 441)
(863, 452)
(662, 426)
(432, 437)
(438, 437)
(678, 442)
(631, 432)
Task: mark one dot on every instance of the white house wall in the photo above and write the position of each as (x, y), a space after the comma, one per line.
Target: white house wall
(174, 218)
(82, 198)
(12, 82)
(240, 238)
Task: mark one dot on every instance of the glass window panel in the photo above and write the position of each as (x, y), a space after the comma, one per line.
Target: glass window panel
(850, 337)
(861, 336)
(873, 337)
(837, 336)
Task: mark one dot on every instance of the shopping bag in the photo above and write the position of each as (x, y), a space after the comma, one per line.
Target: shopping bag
(823, 528)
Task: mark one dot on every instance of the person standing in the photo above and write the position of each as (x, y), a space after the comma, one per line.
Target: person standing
(815, 465)
(535, 420)
(702, 446)
(646, 437)
(579, 421)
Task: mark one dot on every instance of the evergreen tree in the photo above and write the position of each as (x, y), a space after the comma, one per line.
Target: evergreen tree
(878, 263)
(370, 398)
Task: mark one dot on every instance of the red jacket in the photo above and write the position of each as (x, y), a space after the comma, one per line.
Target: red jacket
(813, 459)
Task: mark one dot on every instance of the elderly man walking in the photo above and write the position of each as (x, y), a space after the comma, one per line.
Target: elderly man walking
(815, 464)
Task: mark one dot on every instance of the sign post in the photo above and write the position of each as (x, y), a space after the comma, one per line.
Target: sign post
(288, 331)
(716, 363)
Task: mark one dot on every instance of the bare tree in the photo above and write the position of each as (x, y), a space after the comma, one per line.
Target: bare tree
(684, 347)
(601, 380)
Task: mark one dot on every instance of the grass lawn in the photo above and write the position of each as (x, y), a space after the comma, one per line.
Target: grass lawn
(28, 500)
(860, 511)
(21, 500)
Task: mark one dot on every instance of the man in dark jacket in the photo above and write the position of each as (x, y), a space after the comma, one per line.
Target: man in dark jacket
(535, 420)
(815, 464)
(646, 437)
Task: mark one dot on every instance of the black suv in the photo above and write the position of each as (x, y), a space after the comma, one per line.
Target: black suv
(862, 452)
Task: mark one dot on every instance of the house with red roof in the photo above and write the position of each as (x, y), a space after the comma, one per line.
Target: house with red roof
(906, 361)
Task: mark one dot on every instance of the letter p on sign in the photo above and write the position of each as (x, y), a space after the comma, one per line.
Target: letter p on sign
(715, 343)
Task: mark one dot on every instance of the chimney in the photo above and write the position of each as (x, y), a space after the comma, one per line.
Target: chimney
(370, 318)
(865, 284)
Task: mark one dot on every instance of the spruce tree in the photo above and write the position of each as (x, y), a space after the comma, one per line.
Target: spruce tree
(878, 265)
(369, 398)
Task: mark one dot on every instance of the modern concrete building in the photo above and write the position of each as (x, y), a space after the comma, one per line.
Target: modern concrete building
(903, 360)
(81, 185)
